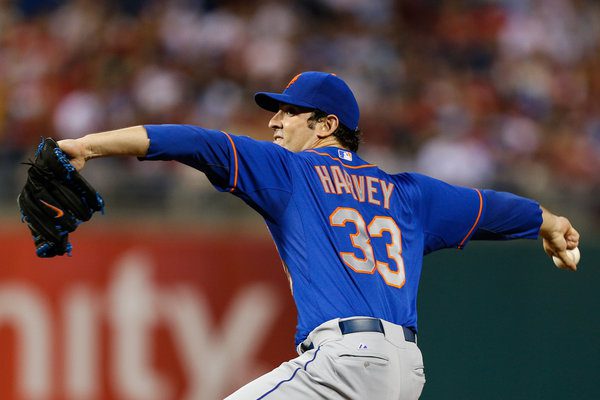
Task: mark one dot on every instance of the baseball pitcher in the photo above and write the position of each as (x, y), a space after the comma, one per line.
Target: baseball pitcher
(351, 237)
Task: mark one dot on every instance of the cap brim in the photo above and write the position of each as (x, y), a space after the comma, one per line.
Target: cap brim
(271, 101)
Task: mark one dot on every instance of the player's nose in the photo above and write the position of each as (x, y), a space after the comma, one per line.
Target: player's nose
(275, 122)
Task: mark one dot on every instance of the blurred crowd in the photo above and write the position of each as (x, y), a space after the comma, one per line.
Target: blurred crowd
(502, 94)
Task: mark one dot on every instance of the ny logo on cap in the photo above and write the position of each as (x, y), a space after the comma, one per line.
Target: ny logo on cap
(294, 79)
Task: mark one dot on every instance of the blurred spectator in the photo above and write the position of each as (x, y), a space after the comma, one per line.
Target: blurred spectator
(78, 113)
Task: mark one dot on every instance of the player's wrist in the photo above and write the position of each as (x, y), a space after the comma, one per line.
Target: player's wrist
(88, 147)
(555, 227)
(550, 224)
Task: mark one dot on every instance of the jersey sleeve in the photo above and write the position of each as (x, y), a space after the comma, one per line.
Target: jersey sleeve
(453, 215)
(256, 171)
(507, 216)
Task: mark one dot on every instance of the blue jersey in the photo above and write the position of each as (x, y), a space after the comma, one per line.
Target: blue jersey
(351, 236)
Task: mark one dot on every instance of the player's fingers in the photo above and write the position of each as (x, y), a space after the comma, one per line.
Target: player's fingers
(74, 151)
(572, 266)
(547, 248)
(567, 260)
(558, 249)
(78, 163)
(556, 243)
(572, 238)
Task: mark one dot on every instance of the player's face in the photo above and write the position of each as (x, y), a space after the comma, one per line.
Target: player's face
(291, 130)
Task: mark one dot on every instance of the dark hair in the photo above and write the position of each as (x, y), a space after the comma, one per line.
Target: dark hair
(348, 138)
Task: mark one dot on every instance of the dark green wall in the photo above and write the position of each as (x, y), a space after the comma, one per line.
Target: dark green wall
(499, 321)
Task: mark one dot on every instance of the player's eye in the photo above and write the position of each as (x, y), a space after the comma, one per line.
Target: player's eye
(290, 111)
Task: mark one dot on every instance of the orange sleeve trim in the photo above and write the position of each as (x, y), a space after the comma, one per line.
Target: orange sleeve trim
(235, 162)
(460, 246)
(341, 162)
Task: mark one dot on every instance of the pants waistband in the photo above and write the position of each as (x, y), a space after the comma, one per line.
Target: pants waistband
(355, 325)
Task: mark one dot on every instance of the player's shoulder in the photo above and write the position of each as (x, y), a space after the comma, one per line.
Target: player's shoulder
(415, 178)
(408, 178)
(413, 185)
(249, 144)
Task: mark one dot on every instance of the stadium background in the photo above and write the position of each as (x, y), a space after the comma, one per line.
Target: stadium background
(177, 293)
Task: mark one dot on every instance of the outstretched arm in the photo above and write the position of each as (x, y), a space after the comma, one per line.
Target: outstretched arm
(131, 141)
(558, 235)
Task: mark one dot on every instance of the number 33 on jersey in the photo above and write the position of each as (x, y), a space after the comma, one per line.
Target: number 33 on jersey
(361, 240)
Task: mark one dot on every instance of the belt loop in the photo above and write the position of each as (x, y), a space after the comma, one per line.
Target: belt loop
(409, 335)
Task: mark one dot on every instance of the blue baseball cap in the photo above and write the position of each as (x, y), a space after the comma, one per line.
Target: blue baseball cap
(319, 91)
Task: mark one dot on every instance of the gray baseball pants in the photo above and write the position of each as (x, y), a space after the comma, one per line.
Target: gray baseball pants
(362, 365)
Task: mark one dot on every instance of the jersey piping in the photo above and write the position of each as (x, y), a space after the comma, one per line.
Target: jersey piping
(460, 246)
(235, 162)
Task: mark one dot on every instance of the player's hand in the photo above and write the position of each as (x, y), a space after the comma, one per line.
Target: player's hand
(75, 150)
(559, 236)
(55, 200)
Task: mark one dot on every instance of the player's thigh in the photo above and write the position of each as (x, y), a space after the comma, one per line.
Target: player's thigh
(356, 367)
(300, 378)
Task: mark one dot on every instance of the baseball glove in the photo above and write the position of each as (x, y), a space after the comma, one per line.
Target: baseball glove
(55, 200)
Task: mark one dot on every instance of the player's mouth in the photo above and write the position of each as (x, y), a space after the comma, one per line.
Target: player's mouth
(277, 137)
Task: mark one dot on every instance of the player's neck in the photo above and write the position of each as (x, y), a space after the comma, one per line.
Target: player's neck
(329, 141)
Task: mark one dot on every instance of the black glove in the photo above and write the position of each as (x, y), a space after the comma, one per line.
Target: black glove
(55, 200)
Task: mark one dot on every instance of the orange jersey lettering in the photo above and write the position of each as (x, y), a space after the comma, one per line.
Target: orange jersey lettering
(371, 190)
(325, 178)
(339, 180)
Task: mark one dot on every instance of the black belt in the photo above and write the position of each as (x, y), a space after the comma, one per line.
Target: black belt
(356, 325)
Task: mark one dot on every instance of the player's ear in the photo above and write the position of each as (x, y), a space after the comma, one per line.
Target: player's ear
(327, 126)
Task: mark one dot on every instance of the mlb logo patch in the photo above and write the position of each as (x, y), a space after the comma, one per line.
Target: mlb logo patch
(345, 155)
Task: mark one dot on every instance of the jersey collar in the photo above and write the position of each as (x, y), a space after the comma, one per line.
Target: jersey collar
(342, 155)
